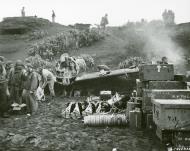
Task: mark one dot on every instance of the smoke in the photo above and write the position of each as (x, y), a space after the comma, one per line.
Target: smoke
(152, 41)
(159, 43)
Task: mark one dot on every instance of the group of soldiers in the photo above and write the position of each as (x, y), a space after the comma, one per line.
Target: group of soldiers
(19, 82)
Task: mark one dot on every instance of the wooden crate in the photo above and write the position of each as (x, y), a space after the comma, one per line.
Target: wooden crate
(181, 137)
(167, 93)
(170, 113)
(164, 135)
(177, 137)
(135, 119)
(140, 85)
(167, 85)
(156, 72)
(131, 106)
(149, 121)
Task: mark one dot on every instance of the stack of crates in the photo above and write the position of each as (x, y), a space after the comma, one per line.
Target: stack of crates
(157, 82)
(170, 115)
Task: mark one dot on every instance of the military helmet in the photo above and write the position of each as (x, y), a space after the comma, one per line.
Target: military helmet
(19, 63)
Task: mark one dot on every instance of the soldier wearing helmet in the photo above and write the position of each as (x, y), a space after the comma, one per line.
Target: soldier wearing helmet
(31, 83)
(164, 60)
(15, 82)
(4, 92)
(9, 66)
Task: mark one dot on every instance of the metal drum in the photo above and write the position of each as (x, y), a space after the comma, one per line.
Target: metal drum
(106, 120)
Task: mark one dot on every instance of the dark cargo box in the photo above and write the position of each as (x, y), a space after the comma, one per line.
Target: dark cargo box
(158, 85)
(148, 95)
(135, 119)
(167, 85)
(167, 93)
(180, 77)
(155, 72)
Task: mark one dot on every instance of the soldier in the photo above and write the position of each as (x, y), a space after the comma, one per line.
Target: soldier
(48, 79)
(15, 82)
(104, 22)
(4, 92)
(31, 83)
(23, 12)
(9, 66)
(164, 60)
(53, 16)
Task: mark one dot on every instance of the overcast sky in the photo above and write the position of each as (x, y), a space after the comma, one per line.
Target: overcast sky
(91, 11)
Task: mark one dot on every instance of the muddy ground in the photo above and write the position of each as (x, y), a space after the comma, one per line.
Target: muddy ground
(48, 131)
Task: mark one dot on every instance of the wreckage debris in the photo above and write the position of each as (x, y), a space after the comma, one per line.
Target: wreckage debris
(105, 104)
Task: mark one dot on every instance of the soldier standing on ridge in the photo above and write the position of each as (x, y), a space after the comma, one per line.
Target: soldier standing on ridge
(104, 22)
(53, 16)
(23, 12)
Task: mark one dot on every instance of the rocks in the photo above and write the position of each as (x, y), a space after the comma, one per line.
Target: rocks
(3, 134)
(18, 139)
(84, 134)
(35, 140)
(44, 144)
(94, 144)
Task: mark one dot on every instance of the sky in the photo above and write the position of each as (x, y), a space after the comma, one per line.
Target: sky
(90, 11)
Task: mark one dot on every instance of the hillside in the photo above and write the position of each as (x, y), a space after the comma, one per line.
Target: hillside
(14, 44)
(118, 44)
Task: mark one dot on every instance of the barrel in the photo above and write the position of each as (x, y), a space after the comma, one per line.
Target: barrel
(106, 120)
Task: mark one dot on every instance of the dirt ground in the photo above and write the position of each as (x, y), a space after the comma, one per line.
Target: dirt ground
(48, 131)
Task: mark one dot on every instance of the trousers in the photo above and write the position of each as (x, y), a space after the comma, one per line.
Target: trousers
(51, 87)
(3, 97)
(31, 101)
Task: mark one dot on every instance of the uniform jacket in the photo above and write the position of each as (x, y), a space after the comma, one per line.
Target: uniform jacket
(31, 82)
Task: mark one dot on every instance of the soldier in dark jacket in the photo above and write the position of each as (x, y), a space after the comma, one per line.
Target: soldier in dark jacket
(31, 83)
(3, 91)
(9, 66)
(15, 82)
